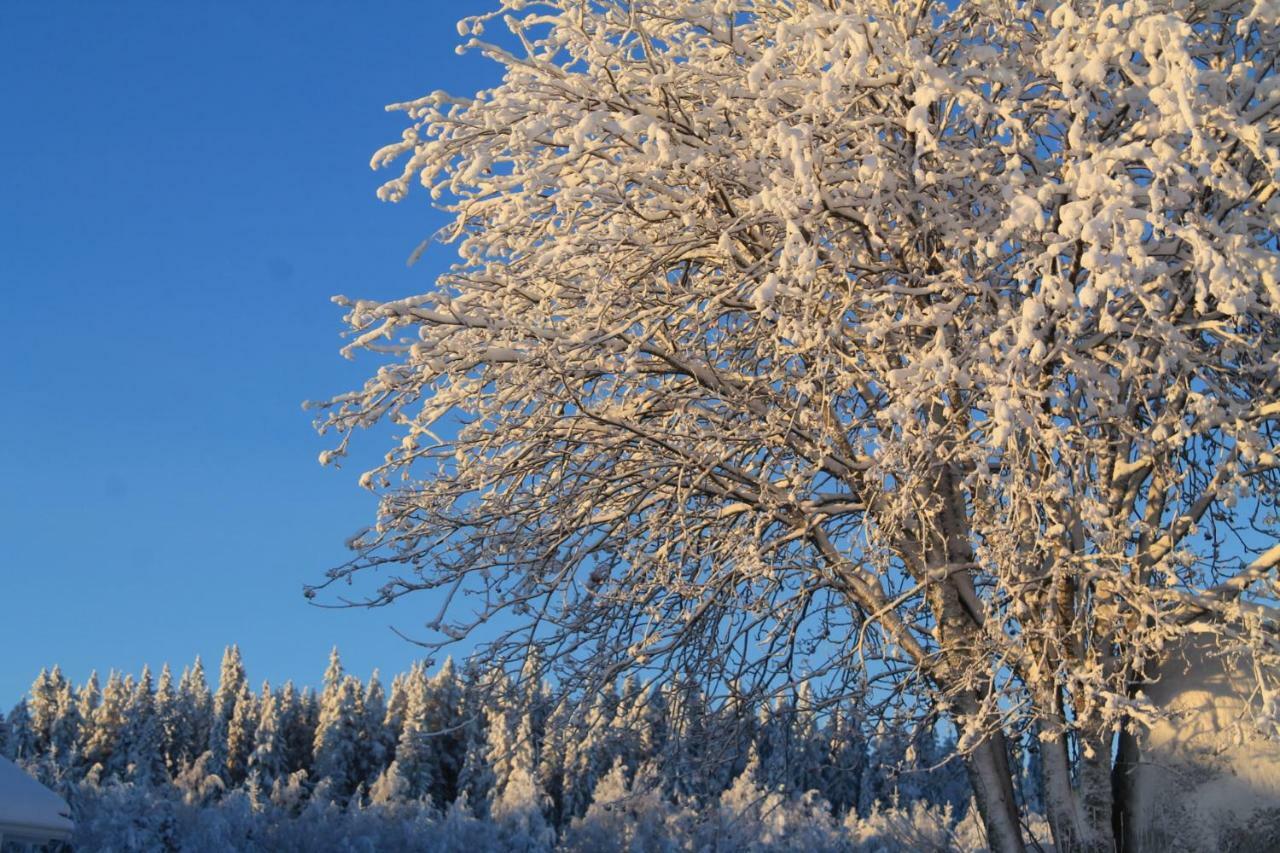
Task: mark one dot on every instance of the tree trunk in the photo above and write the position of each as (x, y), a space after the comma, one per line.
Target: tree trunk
(1061, 807)
(1095, 791)
(992, 781)
(1124, 827)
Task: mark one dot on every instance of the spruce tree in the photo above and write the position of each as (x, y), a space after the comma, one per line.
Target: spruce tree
(108, 721)
(231, 680)
(807, 743)
(338, 738)
(195, 704)
(519, 802)
(269, 759)
(299, 735)
(416, 758)
(846, 761)
(169, 718)
(65, 733)
(44, 705)
(22, 737)
(140, 753)
(332, 675)
(774, 745)
(88, 697)
(241, 730)
(445, 721)
(377, 752)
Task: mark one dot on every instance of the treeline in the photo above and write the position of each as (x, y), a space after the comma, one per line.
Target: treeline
(468, 743)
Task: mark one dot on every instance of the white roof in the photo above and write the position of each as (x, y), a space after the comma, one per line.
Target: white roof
(28, 810)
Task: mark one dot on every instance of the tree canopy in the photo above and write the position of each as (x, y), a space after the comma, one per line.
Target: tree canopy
(926, 349)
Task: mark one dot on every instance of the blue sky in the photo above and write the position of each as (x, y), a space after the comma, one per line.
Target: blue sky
(182, 188)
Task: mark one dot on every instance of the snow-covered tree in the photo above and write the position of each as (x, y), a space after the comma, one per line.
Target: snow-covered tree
(843, 771)
(195, 712)
(624, 816)
(269, 759)
(338, 738)
(43, 704)
(378, 751)
(20, 740)
(416, 760)
(333, 675)
(66, 731)
(140, 749)
(807, 744)
(88, 697)
(102, 748)
(945, 335)
(752, 814)
(231, 681)
(242, 734)
(391, 787)
(446, 719)
(299, 730)
(169, 718)
(519, 802)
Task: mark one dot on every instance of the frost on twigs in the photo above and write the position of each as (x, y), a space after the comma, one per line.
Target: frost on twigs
(824, 332)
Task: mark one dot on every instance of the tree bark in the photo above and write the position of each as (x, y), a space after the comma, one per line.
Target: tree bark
(1124, 827)
(988, 767)
(1061, 807)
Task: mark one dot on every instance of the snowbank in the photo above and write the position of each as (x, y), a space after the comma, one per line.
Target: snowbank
(1208, 778)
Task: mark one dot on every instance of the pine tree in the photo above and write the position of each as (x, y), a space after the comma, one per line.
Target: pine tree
(590, 755)
(475, 780)
(393, 717)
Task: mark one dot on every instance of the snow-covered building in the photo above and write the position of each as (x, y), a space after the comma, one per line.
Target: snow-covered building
(29, 812)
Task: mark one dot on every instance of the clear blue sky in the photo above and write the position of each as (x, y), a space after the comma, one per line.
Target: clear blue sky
(182, 188)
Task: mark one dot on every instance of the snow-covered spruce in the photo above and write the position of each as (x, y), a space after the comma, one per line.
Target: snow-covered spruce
(470, 759)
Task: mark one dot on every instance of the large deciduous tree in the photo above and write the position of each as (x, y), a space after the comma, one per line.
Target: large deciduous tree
(936, 346)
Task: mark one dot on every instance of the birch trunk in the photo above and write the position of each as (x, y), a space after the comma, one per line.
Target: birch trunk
(989, 773)
(1060, 804)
